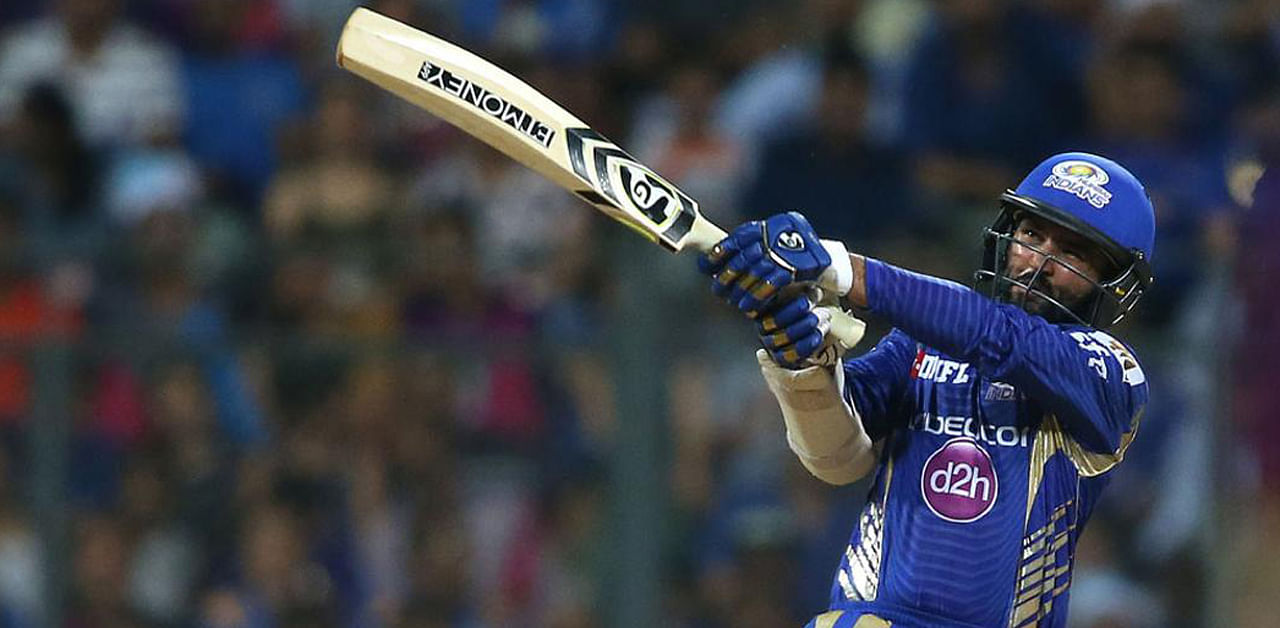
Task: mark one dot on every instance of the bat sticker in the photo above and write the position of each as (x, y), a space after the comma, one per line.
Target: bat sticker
(645, 192)
(486, 101)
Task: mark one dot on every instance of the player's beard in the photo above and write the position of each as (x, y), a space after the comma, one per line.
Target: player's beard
(1034, 302)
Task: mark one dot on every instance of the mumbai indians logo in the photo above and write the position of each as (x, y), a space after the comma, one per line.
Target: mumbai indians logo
(496, 106)
(1081, 178)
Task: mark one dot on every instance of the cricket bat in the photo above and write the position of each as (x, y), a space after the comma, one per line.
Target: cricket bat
(508, 114)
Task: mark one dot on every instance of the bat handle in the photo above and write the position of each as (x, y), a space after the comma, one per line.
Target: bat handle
(704, 235)
(845, 329)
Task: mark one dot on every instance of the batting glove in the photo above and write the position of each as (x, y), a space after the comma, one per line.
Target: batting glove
(795, 334)
(759, 259)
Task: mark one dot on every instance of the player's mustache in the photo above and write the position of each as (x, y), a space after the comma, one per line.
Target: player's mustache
(1041, 284)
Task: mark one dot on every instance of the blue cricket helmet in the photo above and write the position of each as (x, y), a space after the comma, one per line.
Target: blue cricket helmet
(1097, 198)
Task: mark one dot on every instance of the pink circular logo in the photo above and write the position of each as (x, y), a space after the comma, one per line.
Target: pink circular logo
(959, 481)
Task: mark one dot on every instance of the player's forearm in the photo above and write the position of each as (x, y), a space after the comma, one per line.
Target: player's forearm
(940, 313)
(823, 431)
(1002, 342)
(857, 294)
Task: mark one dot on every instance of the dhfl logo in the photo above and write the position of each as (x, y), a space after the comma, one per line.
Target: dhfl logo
(938, 369)
(1082, 179)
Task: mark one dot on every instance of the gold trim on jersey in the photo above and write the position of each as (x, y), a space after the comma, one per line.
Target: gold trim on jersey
(1089, 463)
(1040, 572)
(1051, 438)
(862, 580)
(829, 619)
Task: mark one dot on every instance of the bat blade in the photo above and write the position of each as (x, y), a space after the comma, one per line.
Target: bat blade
(508, 114)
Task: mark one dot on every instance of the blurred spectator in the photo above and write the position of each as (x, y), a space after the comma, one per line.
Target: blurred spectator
(332, 204)
(275, 579)
(123, 84)
(1103, 594)
(440, 583)
(22, 561)
(238, 94)
(99, 595)
(681, 144)
(524, 219)
(30, 312)
(984, 92)
(1185, 179)
(572, 563)
(884, 32)
(1253, 390)
(446, 303)
(776, 79)
(852, 186)
(160, 293)
(331, 187)
(1250, 40)
(166, 560)
(55, 179)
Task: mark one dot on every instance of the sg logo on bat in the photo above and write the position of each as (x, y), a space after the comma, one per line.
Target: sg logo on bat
(627, 189)
(647, 193)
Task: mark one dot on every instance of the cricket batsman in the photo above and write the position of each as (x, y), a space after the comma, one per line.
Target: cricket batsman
(990, 417)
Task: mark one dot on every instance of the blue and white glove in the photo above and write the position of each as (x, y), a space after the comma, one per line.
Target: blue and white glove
(759, 259)
(794, 331)
(798, 334)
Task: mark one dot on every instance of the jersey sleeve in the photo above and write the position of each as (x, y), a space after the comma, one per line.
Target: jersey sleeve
(876, 383)
(1088, 379)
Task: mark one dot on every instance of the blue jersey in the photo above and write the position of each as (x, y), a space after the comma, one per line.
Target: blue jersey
(997, 430)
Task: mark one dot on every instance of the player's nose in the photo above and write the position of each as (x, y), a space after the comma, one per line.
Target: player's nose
(1036, 257)
(1047, 256)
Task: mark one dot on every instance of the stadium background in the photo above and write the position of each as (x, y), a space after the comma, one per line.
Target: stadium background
(278, 350)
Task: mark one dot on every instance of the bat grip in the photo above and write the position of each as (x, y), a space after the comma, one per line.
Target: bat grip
(846, 330)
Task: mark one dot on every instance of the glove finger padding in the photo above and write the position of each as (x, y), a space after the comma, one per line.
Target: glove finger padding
(794, 345)
(784, 314)
(743, 286)
(715, 260)
(792, 333)
(759, 260)
(797, 334)
(797, 354)
(736, 269)
(764, 292)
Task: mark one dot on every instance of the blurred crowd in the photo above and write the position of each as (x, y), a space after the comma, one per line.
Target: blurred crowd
(325, 361)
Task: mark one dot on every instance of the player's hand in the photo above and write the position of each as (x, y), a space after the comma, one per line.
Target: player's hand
(752, 266)
(795, 334)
